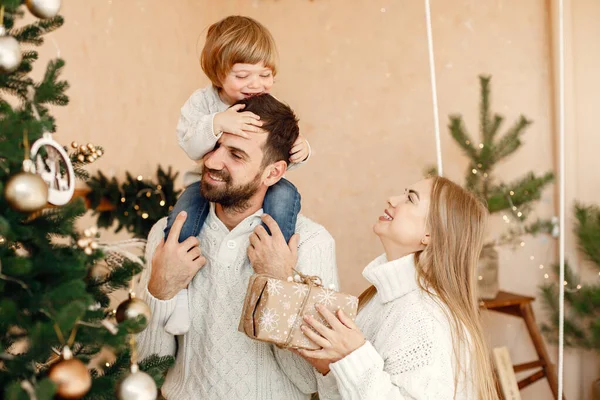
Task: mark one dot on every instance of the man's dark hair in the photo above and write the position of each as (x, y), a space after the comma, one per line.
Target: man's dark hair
(279, 120)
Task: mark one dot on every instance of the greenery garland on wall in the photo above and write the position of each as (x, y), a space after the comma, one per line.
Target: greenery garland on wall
(138, 203)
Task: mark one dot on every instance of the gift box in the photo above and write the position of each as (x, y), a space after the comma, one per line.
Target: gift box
(274, 309)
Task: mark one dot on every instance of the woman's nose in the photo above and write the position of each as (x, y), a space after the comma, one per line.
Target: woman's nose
(394, 200)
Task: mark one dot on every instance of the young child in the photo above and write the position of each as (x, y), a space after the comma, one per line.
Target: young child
(239, 58)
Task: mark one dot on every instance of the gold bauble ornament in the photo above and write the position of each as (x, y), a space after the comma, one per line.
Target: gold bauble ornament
(98, 272)
(10, 52)
(138, 385)
(131, 309)
(71, 376)
(26, 192)
(43, 8)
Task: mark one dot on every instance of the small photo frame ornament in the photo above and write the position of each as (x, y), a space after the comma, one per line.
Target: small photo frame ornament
(54, 166)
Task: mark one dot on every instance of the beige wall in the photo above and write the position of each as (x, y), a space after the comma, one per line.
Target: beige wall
(357, 74)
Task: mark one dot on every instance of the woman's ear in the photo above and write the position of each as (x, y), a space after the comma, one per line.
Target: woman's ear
(425, 240)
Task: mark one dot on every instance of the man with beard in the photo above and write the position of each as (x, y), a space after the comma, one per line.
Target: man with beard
(214, 360)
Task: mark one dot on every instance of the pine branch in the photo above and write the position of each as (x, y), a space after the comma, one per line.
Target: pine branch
(32, 33)
(51, 90)
(157, 367)
(587, 229)
(460, 135)
(495, 126)
(119, 277)
(525, 190)
(510, 142)
(484, 109)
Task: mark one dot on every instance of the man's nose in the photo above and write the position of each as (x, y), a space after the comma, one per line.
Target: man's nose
(214, 160)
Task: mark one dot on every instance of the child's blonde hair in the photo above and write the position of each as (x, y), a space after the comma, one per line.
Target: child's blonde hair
(233, 40)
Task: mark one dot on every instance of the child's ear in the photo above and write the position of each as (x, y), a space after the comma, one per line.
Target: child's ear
(274, 172)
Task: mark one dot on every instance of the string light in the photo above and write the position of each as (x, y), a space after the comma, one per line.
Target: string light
(140, 178)
(521, 217)
(481, 145)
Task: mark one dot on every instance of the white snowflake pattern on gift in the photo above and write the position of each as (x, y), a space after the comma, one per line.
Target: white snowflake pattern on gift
(286, 305)
(352, 301)
(277, 337)
(300, 289)
(268, 319)
(294, 322)
(326, 296)
(274, 287)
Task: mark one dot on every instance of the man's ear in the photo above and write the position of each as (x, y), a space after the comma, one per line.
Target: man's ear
(274, 172)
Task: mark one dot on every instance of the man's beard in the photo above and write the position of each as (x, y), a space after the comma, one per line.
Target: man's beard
(227, 195)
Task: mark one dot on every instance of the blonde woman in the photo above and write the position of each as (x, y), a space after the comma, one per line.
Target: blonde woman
(417, 334)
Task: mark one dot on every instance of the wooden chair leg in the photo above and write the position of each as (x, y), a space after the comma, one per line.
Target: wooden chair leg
(540, 348)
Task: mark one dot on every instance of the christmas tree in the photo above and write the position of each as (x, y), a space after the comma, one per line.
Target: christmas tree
(516, 198)
(582, 300)
(54, 281)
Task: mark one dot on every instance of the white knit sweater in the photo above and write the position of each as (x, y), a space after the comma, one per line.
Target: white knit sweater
(408, 353)
(195, 126)
(214, 360)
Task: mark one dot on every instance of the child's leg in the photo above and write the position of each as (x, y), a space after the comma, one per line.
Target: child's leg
(282, 202)
(179, 321)
(196, 207)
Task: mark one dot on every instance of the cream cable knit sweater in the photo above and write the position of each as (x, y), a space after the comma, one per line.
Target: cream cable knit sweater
(409, 352)
(214, 360)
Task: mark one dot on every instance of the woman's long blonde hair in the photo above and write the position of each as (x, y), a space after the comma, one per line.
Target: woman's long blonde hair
(446, 270)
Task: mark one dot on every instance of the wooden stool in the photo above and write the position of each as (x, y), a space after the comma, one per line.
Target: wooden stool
(520, 306)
